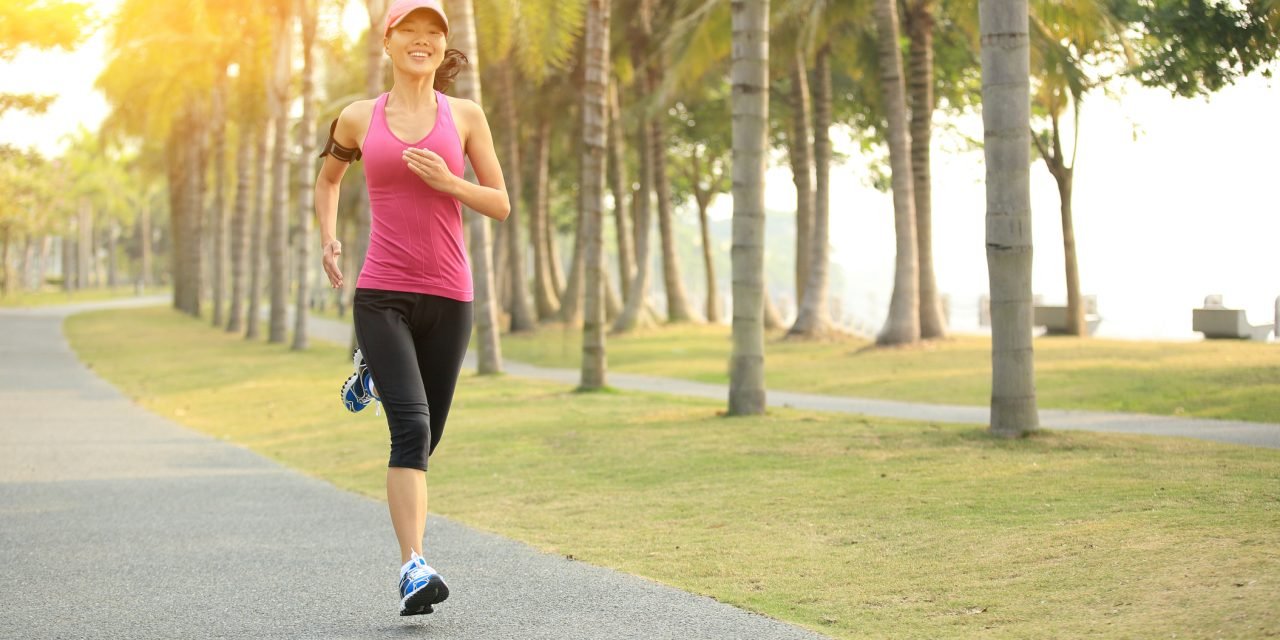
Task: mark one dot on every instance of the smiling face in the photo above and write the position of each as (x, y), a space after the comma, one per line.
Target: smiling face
(417, 44)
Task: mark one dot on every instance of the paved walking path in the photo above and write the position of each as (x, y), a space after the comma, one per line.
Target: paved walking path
(116, 523)
(1229, 431)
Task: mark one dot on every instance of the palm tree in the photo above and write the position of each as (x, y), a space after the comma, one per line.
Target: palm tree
(463, 33)
(595, 123)
(918, 19)
(279, 239)
(257, 230)
(620, 188)
(305, 204)
(750, 138)
(546, 296)
(239, 231)
(248, 94)
(1006, 120)
(800, 152)
(218, 210)
(1066, 35)
(522, 317)
(812, 317)
(903, 324)
(165, 60)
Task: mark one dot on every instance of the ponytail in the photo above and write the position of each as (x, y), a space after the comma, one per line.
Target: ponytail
(454, 61)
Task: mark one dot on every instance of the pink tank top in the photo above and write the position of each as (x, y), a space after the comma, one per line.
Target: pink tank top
(415, 238)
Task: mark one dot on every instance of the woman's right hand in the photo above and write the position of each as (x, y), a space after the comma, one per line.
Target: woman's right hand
(333, 251)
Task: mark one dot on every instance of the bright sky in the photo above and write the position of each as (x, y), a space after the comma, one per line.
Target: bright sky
(1174, 199)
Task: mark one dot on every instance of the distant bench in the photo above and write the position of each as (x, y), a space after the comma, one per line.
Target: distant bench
(1054, 318)
(1217, 322)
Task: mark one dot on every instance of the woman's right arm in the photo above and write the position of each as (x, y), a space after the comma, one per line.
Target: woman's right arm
(328, 183)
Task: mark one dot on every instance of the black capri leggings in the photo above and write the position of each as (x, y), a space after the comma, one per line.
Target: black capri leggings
(413, 344)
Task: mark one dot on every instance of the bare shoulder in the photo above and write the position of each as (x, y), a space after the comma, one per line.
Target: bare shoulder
(465, 109)
(353, 122)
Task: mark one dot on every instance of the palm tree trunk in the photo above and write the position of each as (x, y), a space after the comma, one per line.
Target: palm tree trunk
(546, 298)
(218, 214)
(812, 318)
(708, 264)
(6, 277)
(144, 230)
(521, 312)
(633, 311)
(571, 298)
(1006, 119)
(42, 273)
(279, 239)
(26, 263)
(594, 126)
(555, 263)
(194, 244)
(113, 262)
(617, 182)
(239, 227)
(306, 166)
(501, 268)
(66, 252)
(1076, 325)
(919, 24)
(801, 156)
(750, 103)
(175, 175)
(84, 244)
(773, 320)
(26, 259)
(489, 360)
(903, 324)
(253, 315)
(678, 307)
(612, 301)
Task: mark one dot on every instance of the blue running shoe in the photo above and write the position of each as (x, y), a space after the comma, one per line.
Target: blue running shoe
(420, 588)
(358, 390)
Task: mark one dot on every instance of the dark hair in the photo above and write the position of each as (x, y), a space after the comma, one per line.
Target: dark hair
(449, 69)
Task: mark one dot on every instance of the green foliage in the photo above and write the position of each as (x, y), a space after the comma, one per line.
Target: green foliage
(27, 192)
(1193, 47)
(39, 24)
(538, 36)
(24, 102)
(42, 24)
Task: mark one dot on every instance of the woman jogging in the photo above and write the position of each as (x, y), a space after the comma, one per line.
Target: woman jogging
(412, 306)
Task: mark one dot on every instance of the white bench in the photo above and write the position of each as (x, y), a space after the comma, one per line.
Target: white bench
(1054, 320)
(1054, 317)
(1217, 322)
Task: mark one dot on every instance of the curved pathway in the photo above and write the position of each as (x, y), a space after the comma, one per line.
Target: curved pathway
(117, 523)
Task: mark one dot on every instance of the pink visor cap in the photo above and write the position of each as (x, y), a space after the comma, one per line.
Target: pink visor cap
(401, 8)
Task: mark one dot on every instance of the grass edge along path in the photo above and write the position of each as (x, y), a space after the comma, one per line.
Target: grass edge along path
(48, 297)
(851, 527)
(1226, 380)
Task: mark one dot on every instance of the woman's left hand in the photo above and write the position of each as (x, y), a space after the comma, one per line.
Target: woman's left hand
(429, 166)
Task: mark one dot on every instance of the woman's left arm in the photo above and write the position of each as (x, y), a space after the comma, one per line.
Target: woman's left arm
(489, 197)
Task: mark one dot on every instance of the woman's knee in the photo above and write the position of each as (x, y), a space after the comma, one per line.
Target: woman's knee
(411, 442)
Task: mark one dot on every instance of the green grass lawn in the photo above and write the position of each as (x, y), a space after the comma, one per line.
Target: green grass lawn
(51, 296)
(854, 527)
(1227, 380)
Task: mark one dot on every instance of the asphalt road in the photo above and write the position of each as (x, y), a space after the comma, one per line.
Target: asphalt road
(117, 523)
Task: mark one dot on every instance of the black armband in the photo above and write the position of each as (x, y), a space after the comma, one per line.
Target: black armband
(339, 152)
